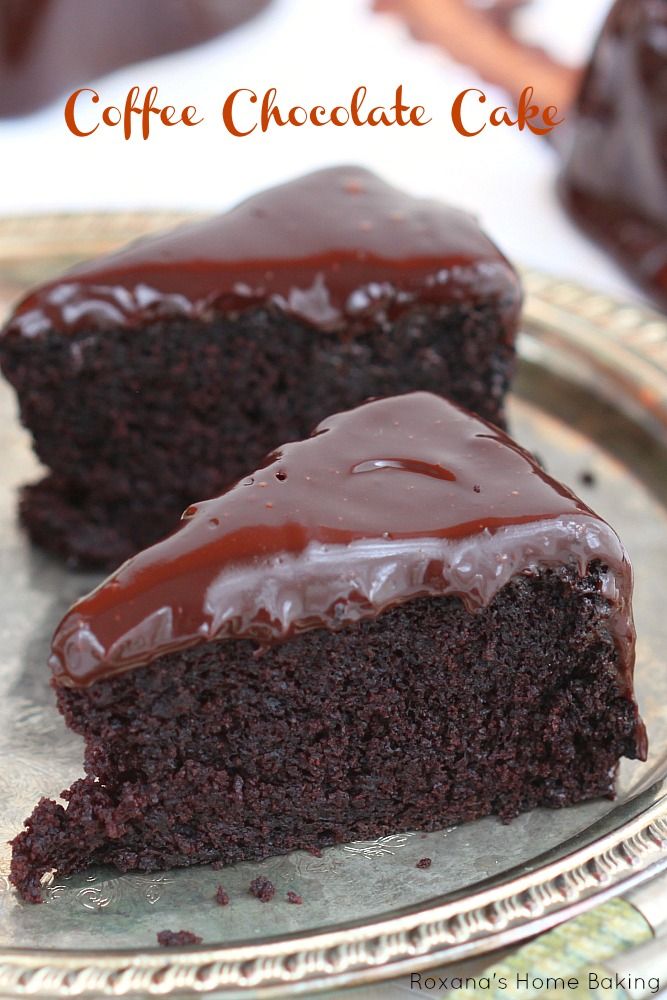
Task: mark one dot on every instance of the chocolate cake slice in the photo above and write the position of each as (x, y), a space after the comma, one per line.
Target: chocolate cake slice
(399, 623)
(615, 177)
(167, 370)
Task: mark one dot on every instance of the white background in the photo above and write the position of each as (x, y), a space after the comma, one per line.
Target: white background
(317, 51)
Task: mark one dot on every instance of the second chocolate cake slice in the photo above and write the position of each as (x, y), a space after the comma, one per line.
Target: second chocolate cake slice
(164, 371)
(400, 622)
(615, 177)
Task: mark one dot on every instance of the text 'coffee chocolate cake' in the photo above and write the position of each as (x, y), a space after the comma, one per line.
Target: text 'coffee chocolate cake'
(165, 371)
(399, 623)
(615, 177)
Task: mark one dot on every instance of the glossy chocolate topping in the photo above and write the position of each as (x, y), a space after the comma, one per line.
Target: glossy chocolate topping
(615, 178)
(48, 47)
(333, 247)
(397, 498)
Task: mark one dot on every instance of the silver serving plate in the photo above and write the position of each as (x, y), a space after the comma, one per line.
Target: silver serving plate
(591, 401)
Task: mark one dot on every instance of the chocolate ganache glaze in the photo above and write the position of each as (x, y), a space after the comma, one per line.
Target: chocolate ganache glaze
(49, 46)
(334, 247)
(615, 176)
(395, 499)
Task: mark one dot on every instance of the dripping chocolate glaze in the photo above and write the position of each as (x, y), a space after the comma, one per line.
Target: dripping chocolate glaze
(397, 498)
(335, 246)
(615, 177)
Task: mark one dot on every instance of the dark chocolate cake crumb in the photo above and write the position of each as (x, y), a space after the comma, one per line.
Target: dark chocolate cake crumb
(587, 478)
(424, 863)
(294, 897)
(557, 614)
(175, 939)
(217, 866)
(477, 488)
(315, 851)
(262, 888)
(221, 896)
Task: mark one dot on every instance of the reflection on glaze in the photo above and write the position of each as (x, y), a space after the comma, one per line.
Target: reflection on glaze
(404, 465)
(338, 246)
(308, 541)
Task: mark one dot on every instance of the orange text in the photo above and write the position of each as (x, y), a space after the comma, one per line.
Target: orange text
(244, 111)
(136, 111)
(528, 115)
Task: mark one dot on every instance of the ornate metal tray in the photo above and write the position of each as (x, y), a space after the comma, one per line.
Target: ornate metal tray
(591, 400)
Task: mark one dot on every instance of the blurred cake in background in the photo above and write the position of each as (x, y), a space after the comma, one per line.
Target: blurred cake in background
(49, 46)
(615, 178)
(613, 142)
